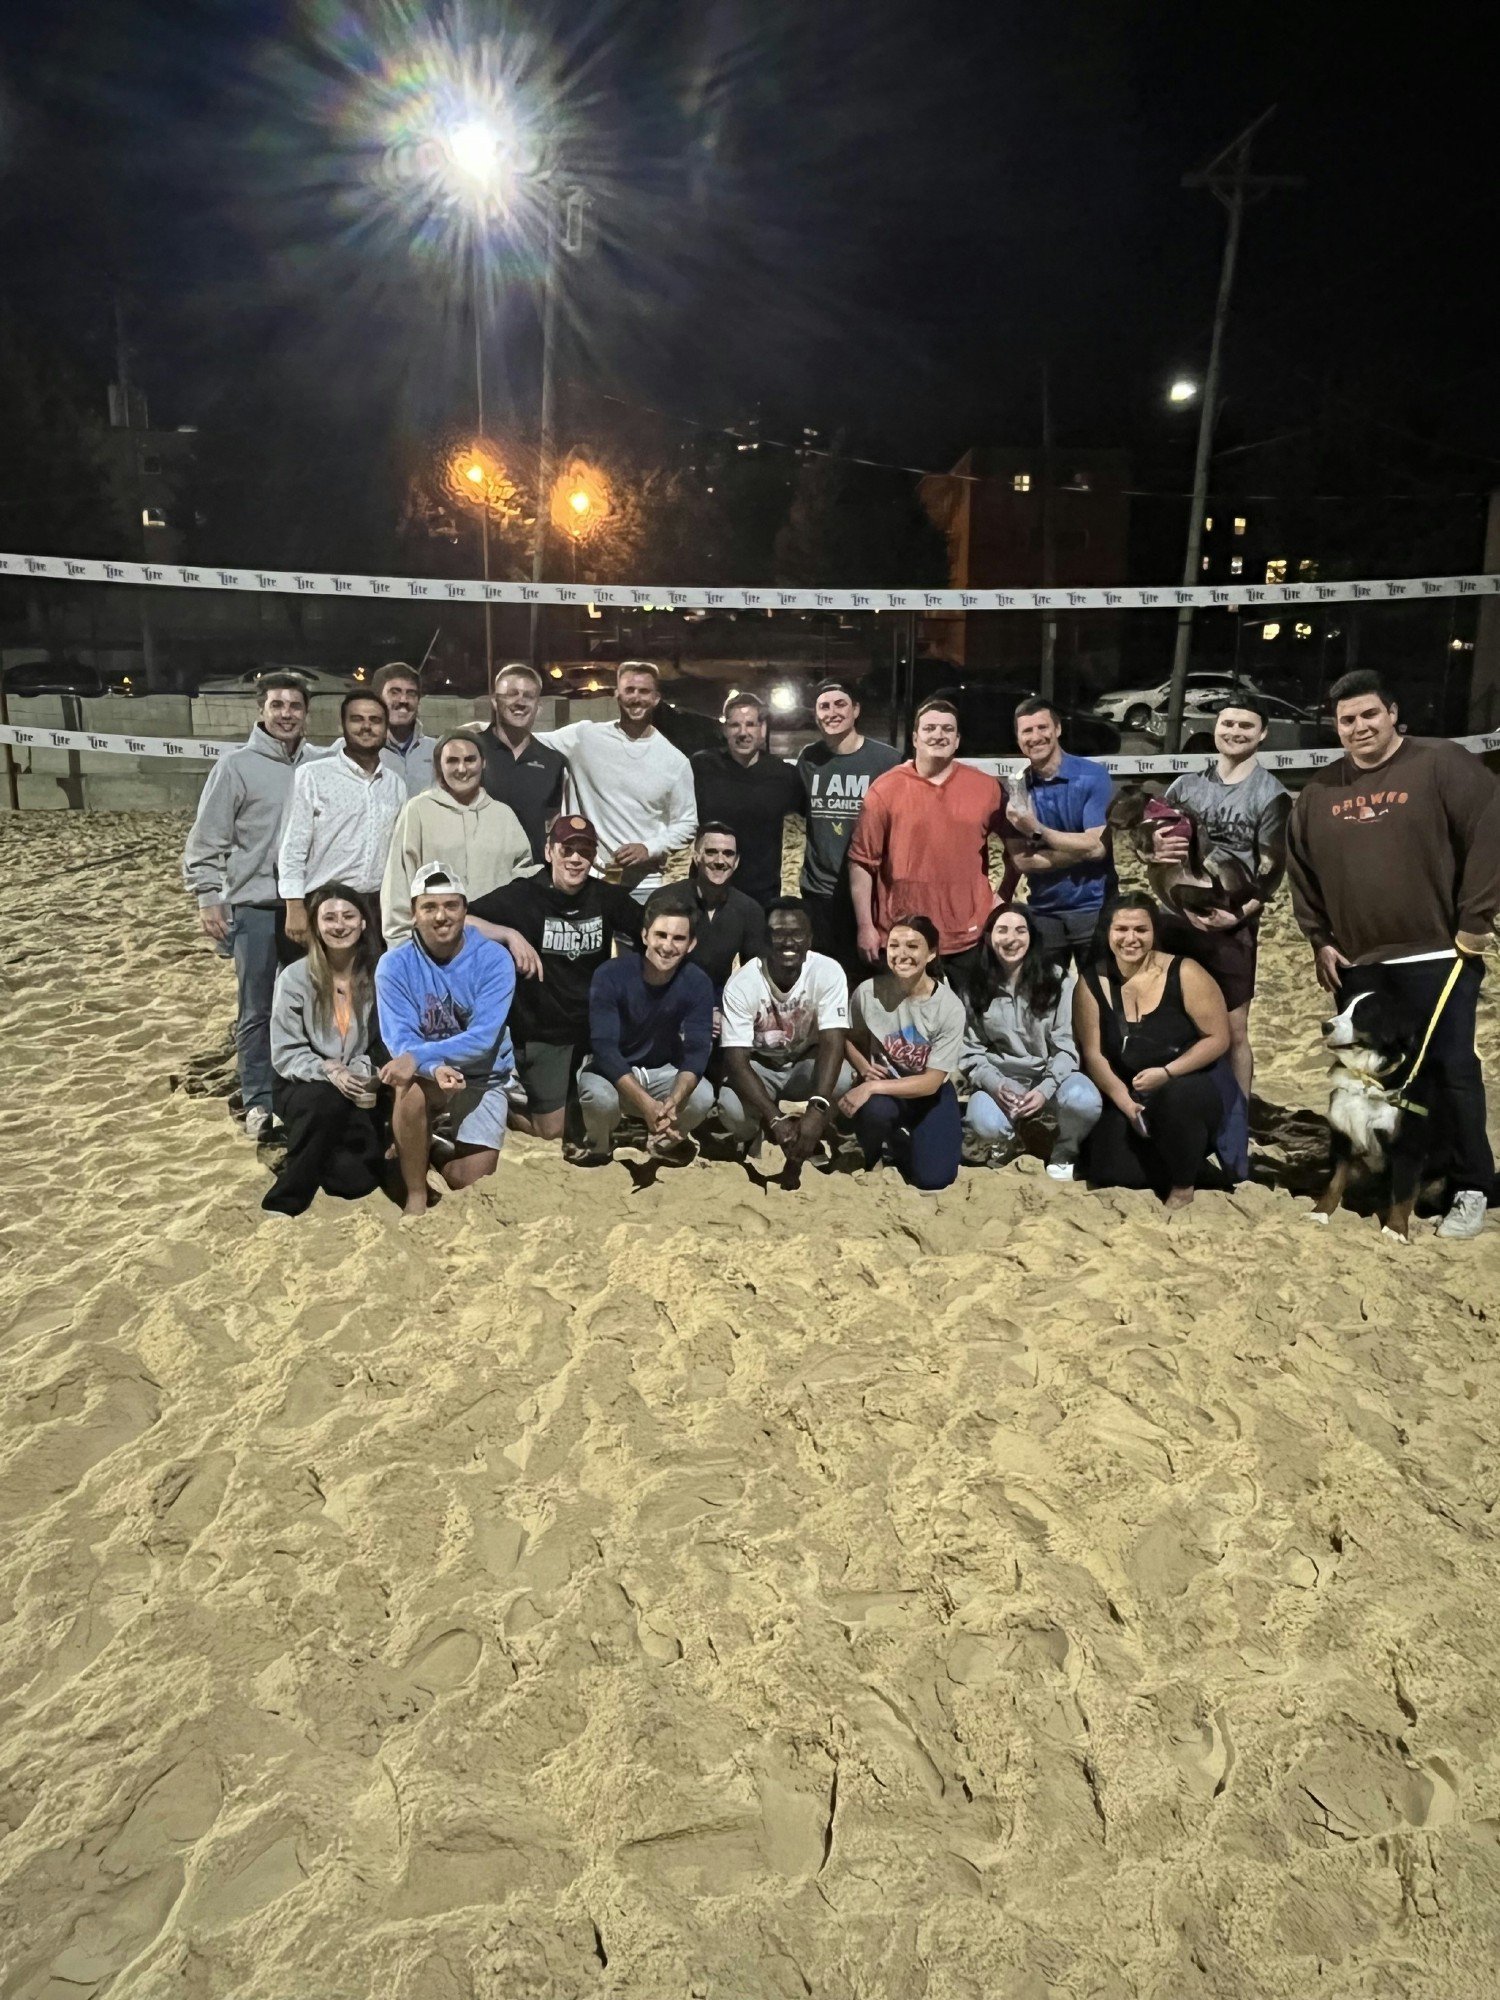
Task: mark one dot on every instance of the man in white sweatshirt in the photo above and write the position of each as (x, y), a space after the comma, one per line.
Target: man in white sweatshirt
(628, 780)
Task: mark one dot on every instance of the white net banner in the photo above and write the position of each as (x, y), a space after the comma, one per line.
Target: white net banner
(694, 597)
(187, 749)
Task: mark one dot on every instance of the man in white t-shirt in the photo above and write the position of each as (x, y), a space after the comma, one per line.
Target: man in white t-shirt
(785, 1018)
(627, 779)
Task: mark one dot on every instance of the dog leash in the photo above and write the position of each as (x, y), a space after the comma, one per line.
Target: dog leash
(1402, 1101)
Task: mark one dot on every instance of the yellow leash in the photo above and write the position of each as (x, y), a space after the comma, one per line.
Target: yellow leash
(1403, 1102)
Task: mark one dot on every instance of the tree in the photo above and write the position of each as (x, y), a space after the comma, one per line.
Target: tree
(852, 526)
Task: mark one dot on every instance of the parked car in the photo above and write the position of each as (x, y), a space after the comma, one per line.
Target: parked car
(1132, 708)
(987, 710)
(247, 681)
(75, 677)
(1291, 727)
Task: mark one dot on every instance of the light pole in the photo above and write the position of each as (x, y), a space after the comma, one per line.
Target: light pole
(1229, 178)
(484, 511)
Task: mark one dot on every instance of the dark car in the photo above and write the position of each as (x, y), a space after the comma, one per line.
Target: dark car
(987, 709)
(686, 730)
(75, 677)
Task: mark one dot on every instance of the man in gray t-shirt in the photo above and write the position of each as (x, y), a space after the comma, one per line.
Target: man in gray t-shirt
(836, 772)
(1241, 808)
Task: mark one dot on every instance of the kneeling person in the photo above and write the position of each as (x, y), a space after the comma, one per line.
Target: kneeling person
(444, 1000)
(786, 1017)
(324, 1089)
(558, 926)
(651, 1030)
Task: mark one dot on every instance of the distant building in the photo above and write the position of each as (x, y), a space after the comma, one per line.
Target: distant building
(994, 509)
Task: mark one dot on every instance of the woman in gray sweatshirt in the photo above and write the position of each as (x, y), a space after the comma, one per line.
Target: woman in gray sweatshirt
(322, 1027)
(1020, 1059)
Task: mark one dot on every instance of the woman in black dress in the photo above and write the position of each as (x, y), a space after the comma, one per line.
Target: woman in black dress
(1150, 1028)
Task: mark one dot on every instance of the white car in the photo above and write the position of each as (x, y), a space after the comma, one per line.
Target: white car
(1288, 727)
(318, 682)
(1132, 708)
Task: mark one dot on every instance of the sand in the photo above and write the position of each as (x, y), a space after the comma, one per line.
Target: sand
(704, 1588)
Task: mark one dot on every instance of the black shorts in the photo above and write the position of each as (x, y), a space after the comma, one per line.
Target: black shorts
(1228, 956)
(547, 1070)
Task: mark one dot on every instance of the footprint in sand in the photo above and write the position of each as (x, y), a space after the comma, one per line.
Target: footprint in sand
(75, 1423)
(445, 1662)
(273, 1869)
(185, 1499)
(1204, 1754)
(1361, 1784)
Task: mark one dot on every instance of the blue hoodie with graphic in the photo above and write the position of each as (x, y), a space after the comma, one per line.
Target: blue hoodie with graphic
(454, 1013)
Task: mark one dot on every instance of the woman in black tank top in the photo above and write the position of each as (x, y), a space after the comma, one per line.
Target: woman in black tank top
(1149, 1028)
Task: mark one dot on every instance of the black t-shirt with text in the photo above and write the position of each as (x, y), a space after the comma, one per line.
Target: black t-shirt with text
(573, 934)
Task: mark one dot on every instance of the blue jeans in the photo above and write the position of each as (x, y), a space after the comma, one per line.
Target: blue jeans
(923, 1133)
(254, 941)
(1074, 1108)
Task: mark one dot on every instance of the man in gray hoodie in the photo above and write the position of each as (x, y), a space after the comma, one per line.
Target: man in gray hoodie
(229, 864)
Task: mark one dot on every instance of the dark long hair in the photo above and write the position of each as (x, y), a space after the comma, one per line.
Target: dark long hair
(1039, 982)
(1128, 902)
(927, 930)
(366, 952)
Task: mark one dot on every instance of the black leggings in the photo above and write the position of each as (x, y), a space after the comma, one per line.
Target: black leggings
(332, 1144)
(1182, 1125)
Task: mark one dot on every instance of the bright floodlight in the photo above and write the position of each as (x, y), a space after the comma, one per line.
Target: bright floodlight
(783, 698)
(476, 473)
(579, 502)
(1183, 390)
(475, 150)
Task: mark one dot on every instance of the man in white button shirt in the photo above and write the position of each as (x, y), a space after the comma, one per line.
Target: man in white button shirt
(338, 826)
(630, 782)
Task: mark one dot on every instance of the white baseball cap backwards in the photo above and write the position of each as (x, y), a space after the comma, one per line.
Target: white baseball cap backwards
(434, 878)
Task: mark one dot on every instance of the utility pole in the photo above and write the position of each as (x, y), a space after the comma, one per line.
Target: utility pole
(1049, 567)
(137, 498)
(1229, 179)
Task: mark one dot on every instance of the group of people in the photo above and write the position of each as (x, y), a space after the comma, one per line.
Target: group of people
(437, 939)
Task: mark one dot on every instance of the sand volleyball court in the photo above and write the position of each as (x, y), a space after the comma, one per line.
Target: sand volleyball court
(701, 1588)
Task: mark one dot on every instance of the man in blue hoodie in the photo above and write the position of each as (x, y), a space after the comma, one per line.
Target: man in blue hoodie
(229, 864)
(444, 1001)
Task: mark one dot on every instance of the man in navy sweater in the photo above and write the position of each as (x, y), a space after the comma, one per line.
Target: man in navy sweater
(651, 1032)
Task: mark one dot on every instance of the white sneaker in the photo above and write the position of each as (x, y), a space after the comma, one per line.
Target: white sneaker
(1059, 1170)
(258, 1123)
(1466, 1217)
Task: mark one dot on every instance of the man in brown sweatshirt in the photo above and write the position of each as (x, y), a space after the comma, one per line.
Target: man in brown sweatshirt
(1393, 855)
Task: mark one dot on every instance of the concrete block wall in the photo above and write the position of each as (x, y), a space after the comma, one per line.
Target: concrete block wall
(50, 780)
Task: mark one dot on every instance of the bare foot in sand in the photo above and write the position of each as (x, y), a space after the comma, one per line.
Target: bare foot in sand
(1178, 1198)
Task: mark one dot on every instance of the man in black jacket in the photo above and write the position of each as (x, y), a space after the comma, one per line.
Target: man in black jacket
(745, 788)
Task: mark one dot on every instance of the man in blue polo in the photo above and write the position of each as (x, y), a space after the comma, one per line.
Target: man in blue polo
(1061, 843)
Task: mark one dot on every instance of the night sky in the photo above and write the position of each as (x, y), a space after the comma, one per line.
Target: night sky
(870, 217)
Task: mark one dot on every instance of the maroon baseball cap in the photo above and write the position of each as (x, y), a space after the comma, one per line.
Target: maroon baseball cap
(573, 830)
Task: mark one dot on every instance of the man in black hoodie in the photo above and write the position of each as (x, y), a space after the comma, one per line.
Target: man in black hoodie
(560, 926)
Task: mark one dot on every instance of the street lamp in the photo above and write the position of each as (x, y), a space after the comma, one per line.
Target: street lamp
(1183, 390)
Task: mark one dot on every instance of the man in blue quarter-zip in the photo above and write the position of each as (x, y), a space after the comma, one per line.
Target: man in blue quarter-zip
(444, 1001)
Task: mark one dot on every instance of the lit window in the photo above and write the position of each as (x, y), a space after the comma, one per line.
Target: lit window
(1236, 565)
(1307, 567)
(1270, 631)
(1205, 565)
(1021, 481)
(1208, 524)
(153, 517)
(1240, 524)
(1276, 570)
(1303, 630)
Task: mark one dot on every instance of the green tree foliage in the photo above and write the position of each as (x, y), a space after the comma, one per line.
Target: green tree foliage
(851, 525)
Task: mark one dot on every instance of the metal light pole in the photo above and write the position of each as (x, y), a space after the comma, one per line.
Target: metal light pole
(1229, 178)
(1049, 619)
(568, 237)
(545, 444)
(484, 511)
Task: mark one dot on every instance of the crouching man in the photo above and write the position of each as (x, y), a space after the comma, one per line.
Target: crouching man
(444, 1000)
(786, 1016)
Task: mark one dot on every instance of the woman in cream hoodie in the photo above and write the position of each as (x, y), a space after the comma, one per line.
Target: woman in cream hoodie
(458, 824)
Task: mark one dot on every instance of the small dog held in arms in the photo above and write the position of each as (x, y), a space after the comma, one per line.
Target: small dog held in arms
(1377, 1118)
(1207, 879)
